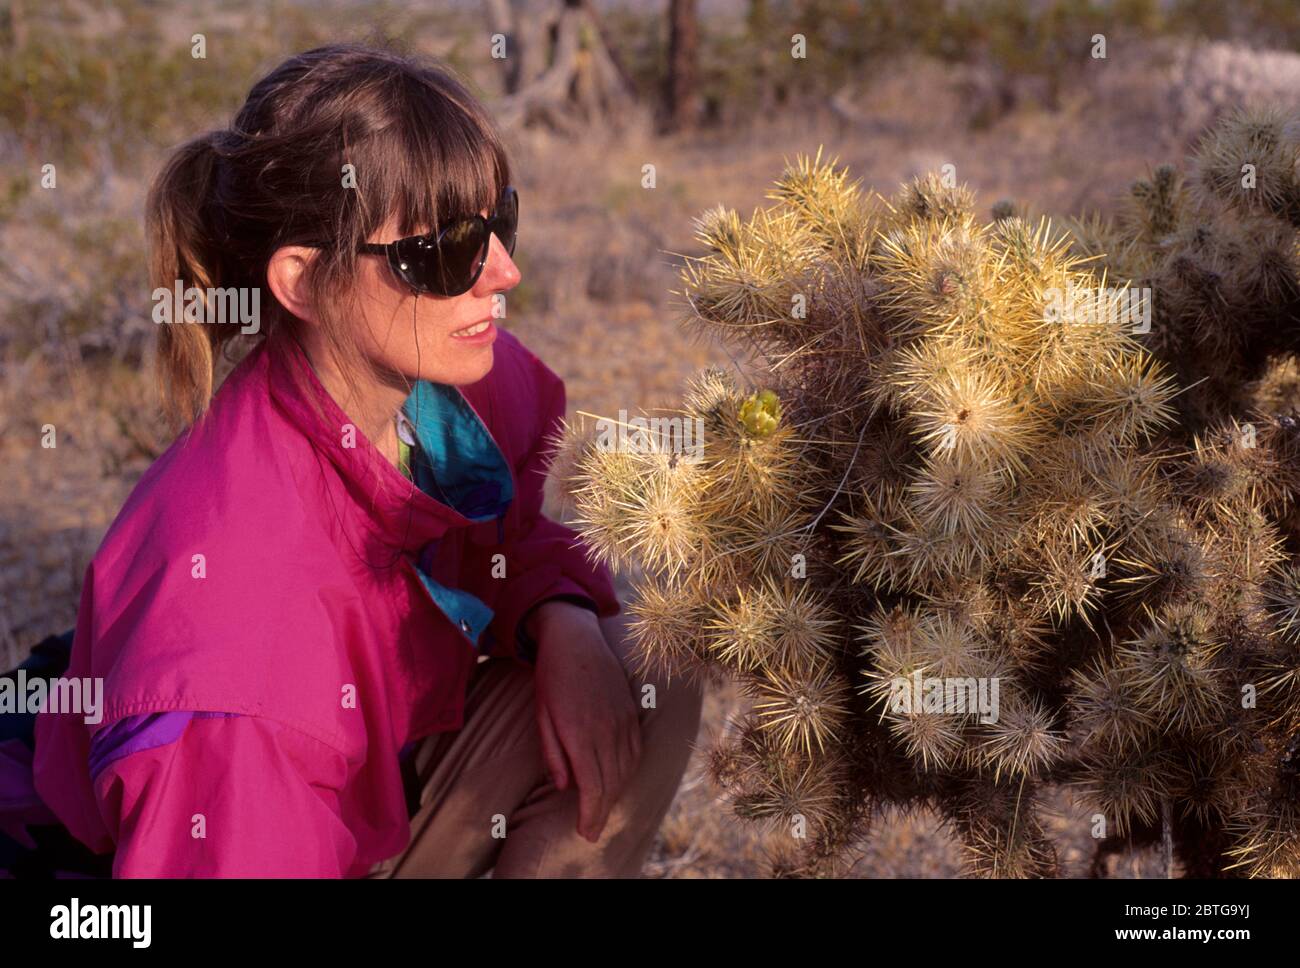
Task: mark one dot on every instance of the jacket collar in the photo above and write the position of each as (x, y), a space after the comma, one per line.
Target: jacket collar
(460, 460)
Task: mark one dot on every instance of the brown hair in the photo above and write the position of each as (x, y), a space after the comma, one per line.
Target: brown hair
(423, 150)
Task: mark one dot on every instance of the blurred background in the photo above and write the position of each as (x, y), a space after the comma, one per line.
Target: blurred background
(709, 92)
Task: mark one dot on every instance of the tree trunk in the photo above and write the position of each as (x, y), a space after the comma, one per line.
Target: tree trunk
(683, 65)
(758, 23)
(18, 24)
(559, 69)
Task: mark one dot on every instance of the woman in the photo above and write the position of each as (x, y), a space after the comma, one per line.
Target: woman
(336, 634)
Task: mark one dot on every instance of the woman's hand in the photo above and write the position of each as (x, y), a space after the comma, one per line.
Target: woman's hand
(591, 733)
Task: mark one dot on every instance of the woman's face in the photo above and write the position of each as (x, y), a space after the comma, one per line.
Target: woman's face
(438, 338)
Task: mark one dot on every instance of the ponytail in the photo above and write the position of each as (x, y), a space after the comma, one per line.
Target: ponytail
(181, 247)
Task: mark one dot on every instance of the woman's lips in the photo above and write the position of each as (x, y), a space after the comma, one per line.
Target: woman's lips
(484, 331)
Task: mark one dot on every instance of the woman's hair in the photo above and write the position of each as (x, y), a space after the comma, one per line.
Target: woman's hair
(421, 147)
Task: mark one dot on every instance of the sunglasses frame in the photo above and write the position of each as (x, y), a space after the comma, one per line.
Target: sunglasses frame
(405, 270)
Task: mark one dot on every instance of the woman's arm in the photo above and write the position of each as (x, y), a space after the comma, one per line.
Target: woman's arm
(542, 559)
(553, 595)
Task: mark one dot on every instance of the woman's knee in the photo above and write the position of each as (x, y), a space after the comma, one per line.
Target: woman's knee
(670, 721)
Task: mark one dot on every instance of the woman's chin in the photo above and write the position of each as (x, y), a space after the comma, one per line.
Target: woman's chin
(470, 365)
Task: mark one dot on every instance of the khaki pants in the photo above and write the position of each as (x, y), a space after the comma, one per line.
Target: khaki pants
(489, 777)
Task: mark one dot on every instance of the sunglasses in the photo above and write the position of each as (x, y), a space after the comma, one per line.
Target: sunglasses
(449, 262)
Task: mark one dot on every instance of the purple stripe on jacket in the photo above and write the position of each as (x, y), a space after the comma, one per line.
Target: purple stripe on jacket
(132, 734)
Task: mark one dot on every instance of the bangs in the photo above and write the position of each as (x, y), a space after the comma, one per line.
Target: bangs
(449, 161)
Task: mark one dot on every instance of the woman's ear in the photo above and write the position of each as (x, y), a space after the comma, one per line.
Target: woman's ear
(286, 274)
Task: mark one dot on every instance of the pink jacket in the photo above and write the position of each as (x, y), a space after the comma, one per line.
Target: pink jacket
(256, 698)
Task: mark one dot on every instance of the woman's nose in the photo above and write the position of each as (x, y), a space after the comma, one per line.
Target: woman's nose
(500, 272)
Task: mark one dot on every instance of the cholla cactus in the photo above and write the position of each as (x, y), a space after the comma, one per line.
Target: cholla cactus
(1218, 249)
(954, 472)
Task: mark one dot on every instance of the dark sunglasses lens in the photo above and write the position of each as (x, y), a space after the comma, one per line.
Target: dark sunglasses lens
(412, 262)
(505, 222)
(448, 266)
(464, 249)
